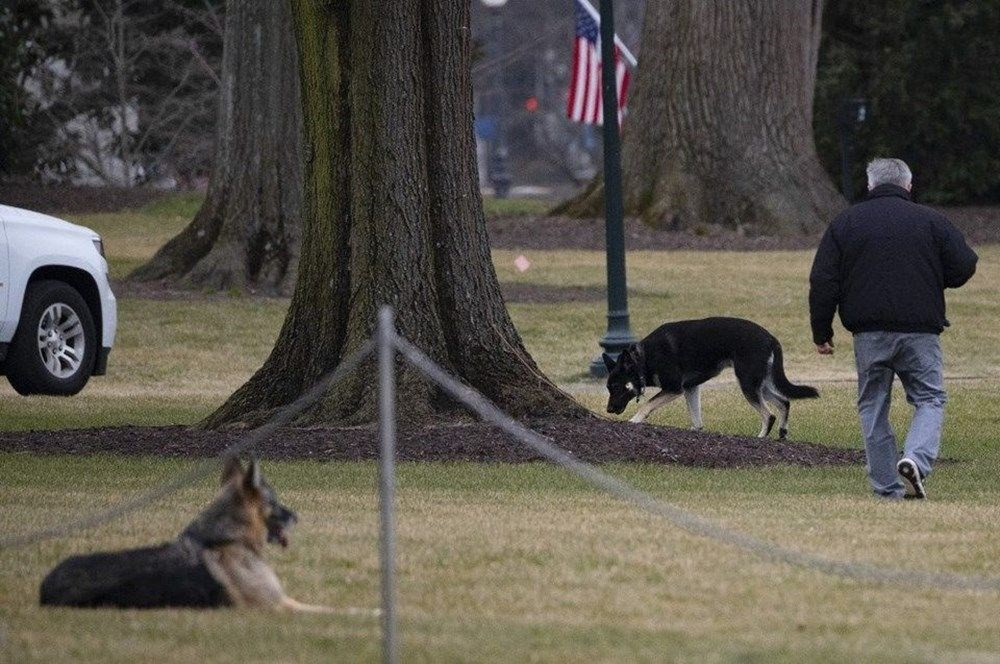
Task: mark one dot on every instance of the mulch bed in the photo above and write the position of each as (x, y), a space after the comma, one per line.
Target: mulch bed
(596, 440)
(551, 233)
(981, 225)
(548, 294)
(62, 199)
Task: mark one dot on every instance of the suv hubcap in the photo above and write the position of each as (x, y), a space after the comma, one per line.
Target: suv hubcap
(61, 340)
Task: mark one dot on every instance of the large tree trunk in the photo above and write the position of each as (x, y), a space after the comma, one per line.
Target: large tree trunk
(248, 231)
(719, 130)
(393, 216)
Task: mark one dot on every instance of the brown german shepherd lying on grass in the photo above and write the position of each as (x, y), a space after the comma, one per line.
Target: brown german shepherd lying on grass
(217, 560)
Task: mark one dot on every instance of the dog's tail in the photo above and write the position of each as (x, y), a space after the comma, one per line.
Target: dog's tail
(785, 386)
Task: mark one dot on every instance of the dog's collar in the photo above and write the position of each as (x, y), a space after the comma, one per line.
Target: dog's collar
(192, 536)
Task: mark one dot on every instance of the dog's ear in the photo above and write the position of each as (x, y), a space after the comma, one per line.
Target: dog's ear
(231, 469)
(634, 355)
(609, 362)
(252, 479)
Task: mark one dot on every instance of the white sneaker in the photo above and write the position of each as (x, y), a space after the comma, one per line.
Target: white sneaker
(907, 469)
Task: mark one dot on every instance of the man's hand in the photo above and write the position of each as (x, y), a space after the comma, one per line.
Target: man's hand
(825, 348)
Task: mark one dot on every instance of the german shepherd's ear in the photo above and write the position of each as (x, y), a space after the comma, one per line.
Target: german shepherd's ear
(252, 479)
(231, 469)
(609, 362)
(633, 353)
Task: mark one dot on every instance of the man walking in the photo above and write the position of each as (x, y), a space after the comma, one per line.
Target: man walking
(884, 263)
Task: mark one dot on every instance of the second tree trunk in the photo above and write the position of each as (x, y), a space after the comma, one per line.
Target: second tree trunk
(247, 233)
(719, 130)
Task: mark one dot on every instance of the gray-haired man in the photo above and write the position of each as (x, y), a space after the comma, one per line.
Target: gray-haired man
(884, 263)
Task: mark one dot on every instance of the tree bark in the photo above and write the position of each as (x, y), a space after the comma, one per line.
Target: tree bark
(248, 231)
(393, 215)
(719, 129)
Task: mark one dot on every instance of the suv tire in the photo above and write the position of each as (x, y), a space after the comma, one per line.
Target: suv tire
(54, 347)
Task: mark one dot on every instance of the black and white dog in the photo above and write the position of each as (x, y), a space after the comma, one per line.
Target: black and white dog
(679, 357)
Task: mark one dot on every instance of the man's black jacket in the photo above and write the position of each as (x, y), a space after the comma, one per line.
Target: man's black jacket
(885, 263)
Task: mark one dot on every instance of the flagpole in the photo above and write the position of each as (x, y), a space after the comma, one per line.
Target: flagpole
(619, 334)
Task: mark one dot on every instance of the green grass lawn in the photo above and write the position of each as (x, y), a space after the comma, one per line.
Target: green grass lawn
(187, 356)
(502, 563)
(524, 563)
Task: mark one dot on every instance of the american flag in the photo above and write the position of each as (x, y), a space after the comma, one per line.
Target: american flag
(584, 102)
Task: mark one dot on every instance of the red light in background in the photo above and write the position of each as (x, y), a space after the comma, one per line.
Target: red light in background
(531, 104)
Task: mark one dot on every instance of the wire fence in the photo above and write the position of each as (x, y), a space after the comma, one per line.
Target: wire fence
(389, 343)
(676, 515)
(203, 469)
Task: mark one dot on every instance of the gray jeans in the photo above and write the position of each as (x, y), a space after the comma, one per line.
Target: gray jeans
(916, 359)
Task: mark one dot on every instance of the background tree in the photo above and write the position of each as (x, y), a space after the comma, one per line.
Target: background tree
(523, 51)
(930, 72)
(393, 215)
(247, 233)
(23, 46)
(108, 92)
(719, 128)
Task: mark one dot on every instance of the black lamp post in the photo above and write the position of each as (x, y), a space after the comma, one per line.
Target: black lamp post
(853, 111)
(497, 169)
(619, 334)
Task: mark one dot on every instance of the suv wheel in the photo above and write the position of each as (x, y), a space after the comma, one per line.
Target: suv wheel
(55, 344)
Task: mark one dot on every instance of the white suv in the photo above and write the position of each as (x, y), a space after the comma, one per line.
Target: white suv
(57, 312)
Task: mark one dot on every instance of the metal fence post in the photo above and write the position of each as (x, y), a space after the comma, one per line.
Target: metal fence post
(387, 480)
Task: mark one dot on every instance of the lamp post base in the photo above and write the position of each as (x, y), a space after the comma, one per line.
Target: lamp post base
(617, 338)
